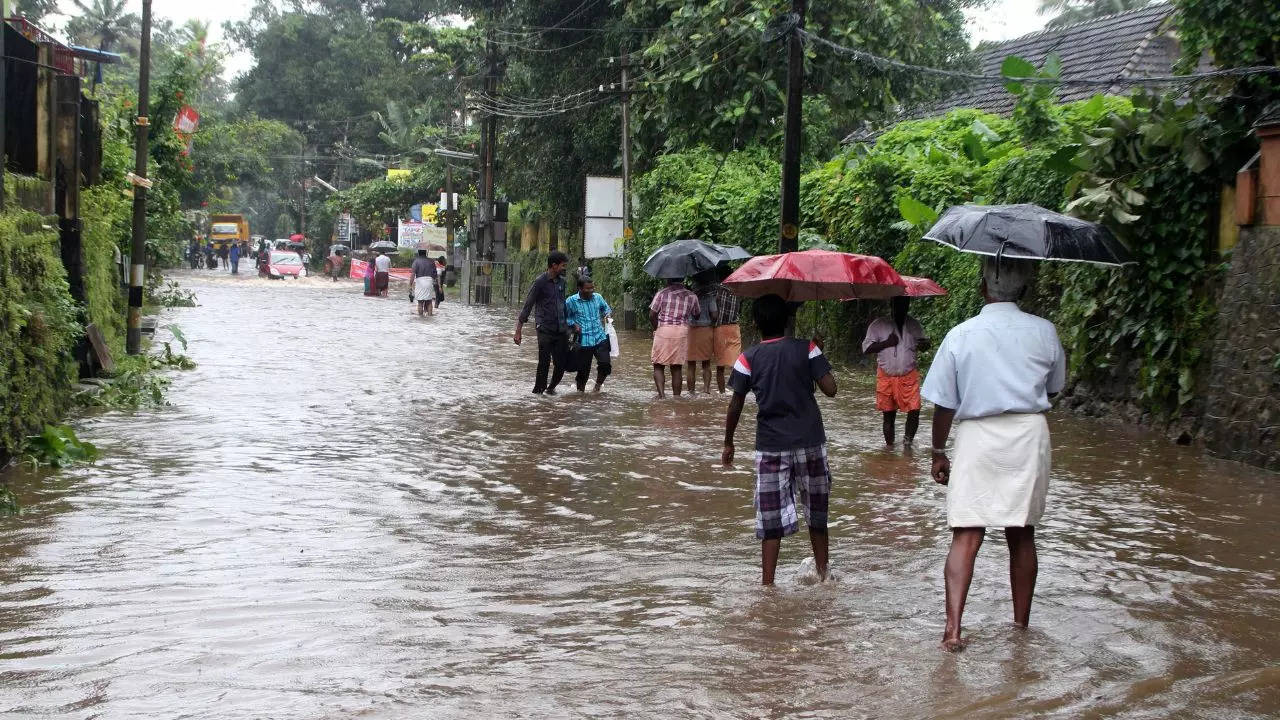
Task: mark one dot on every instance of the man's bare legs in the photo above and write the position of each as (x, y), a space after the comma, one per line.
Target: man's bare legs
(958, 574)
(913, 424)
(720, 380)
(677, 372)
(693, 377)
(660, 380)
(1023, 566)
(706, 376)
(818, 539)
(769, 559)
(890, 420)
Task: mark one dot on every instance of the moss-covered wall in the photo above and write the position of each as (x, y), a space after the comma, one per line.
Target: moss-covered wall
(38, 328)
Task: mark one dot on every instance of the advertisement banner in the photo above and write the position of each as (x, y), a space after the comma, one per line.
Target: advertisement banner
(409, 234)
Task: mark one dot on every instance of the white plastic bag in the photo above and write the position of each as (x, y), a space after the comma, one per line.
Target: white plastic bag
(613, 339)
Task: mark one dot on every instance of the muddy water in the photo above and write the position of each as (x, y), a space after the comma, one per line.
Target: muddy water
(351, 512)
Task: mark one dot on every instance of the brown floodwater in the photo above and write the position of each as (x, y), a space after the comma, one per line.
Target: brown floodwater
(348, 511)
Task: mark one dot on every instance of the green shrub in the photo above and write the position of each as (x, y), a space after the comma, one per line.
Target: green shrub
(106, 213)
(38, 328)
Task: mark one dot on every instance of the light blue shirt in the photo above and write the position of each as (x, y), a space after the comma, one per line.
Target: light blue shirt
(1000, 361)
(585, 315)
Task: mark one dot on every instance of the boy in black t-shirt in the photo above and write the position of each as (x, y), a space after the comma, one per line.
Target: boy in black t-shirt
(791, 449)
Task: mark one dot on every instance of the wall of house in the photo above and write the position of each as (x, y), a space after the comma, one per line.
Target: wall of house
(1242, 418)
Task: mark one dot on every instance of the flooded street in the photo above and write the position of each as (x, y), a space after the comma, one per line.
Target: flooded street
(349, 511)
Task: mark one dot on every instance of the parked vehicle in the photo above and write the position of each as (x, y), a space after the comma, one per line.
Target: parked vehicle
(282, 264)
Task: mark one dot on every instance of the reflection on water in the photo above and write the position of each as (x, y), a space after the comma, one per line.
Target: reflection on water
(352, 512)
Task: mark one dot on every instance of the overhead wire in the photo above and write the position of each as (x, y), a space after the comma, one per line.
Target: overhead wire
(884, 63)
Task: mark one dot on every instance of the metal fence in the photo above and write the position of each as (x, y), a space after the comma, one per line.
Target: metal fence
(485, 282)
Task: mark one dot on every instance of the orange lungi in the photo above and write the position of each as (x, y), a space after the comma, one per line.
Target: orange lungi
(670, 345)
(897, 392)
(728, 344)
(700, 344)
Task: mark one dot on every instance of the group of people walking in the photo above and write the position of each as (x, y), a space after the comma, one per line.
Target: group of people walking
(572, 332)
(993, 378)
(204, 254)
(994, 374)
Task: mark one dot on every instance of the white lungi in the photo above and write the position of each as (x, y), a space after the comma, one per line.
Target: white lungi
(1001, 472)
(424, 289)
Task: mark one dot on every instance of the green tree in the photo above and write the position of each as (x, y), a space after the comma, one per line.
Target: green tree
(105, 24)
(35, 10)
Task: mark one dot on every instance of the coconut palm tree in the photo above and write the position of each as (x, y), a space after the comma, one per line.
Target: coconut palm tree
(1070, 12)
(105, 23)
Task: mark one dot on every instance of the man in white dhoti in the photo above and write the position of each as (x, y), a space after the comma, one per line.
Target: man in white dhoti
(425, 276)
(994, 374)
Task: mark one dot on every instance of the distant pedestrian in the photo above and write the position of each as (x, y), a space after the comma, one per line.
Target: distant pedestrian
(370, 278)
(726, 335)
(223, 253)
(669, 314)
(546, 302)
(441, 268)
(791, 450)
(701, 333)
(424, 283)
(995, 373)
(235, 258)
(335, 264)
(382, 273)
(193, 253)
(586, 313)
(895, 341)
(210, 257)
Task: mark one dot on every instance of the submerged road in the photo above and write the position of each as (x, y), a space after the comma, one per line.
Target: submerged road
(348, 511)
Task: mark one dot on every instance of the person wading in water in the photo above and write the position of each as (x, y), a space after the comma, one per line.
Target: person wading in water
(791, 443)
(546, 302)
(995, 374)
(894, 341)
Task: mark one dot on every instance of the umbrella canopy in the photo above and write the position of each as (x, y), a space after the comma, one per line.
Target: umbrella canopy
(922, 287)
(1027, 232)
(683, 258)
(817, 275)
(732, 252)
(384, 245)
(297, 237)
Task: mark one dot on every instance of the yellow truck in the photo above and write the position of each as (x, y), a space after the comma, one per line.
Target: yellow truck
(227, 229)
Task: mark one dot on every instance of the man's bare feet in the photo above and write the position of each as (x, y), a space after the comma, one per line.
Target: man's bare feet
(953, 644)
(596, 389)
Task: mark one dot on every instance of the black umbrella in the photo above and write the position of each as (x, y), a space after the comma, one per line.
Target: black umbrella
(1027, 232)
(732, 252)
(683, 258)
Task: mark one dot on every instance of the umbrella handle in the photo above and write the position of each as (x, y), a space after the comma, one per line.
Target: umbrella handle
(1000, 255)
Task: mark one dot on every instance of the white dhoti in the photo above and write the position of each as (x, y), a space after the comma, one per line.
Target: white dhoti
(424, 289)
(1001, 472)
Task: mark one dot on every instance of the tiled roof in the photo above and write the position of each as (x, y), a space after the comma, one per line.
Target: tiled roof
(1124, 45)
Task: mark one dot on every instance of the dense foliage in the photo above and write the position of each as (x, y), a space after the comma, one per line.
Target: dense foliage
(38, 328)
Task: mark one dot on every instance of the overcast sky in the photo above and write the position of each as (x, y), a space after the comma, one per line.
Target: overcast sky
(1003, 20)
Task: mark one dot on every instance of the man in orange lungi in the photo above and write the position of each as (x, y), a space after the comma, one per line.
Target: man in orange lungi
(895, 342)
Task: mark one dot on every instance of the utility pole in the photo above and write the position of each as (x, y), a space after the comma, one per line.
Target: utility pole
(788, 240)
(628, 301)
(4, 77)
(138, 250)
(448, 213)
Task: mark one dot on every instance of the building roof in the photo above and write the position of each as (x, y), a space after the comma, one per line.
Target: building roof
(1130, 44)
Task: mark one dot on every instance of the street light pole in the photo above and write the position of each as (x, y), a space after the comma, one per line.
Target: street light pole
(138, 249)
(788, 240)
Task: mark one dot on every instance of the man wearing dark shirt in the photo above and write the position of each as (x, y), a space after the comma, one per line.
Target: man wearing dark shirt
(791, 450)
(546, 303)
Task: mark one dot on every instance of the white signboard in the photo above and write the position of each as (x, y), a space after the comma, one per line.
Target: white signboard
(604, 224)
(410, 233)
(444, 199)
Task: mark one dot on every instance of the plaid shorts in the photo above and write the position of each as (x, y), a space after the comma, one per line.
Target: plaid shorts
(778, 476)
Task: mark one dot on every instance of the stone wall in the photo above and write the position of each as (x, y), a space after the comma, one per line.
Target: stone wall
(1242, 414)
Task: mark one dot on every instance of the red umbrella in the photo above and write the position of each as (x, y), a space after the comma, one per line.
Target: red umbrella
(817, 275)
(922, 287)
(297, 237)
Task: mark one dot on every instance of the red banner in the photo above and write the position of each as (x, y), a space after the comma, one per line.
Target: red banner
(359, 267)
